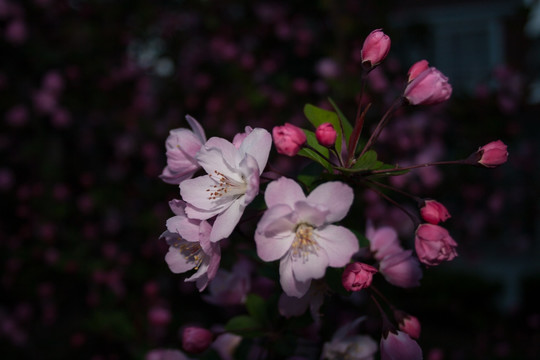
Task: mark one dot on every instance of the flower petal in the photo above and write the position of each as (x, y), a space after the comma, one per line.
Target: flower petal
(312, 214)
(274, 234)
(336, 196)
(194, 192)
(309, 265)
(188, 229)
(222, 158)
(197, 128)
(338, 242)
(177, 262)
(257, 144)
(227, 221)
(289, 284)
(283, 191)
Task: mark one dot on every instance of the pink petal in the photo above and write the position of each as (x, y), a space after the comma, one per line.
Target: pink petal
(289, 284)
(223, 159)
(177, 262)
(336, 196)
(194, 192)
(274, 234)
(312, 214)
(283, 191)
(309, 265)
(257, 144)
(188, 229)
(227, 221)
(338, 242)
(197, 128)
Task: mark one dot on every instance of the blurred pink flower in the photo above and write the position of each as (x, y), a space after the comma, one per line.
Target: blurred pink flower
(434, 244)
(401, 269)
(434, 212)
(416, 69)
(196, 340)
(382, 241)
(399, 346)
(346, 345)
(429, 87)
(357, 276)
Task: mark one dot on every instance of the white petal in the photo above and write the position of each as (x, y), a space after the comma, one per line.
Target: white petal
(338, 242)
(257, 144)
(289, 284)
(283, 191)
(197, 128)
(309, 265)
(197, 193)
(177, 262)
(336, 196)
(227, 221)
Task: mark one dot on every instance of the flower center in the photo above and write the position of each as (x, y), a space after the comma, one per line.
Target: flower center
(225, 186)
(303, 243)
(192, 252)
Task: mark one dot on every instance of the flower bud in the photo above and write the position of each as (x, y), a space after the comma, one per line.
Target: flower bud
(416, 69)
(493, 154)
(408, 324)
(326, 134)
(428, 87)
(434, 244)
(288, 139)
(434, 212)
(375, 48)
(196, 340)
(399, 345)
(357, 276)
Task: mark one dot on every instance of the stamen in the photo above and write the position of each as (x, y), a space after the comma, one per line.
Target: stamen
(304, 244)
(192, 252)
(225, 186)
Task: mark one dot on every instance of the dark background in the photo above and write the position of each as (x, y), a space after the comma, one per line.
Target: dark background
(90, 89)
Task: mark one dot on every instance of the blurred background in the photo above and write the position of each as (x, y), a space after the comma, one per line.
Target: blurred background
(89, 90)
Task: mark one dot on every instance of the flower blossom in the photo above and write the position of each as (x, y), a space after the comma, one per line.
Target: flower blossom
(434, 244)
(232, 181)
(493, 154)
(288, 139)
(357, 276)
(297, 230)
(326, 134)
(182, 146)
(346, 345)
(428, 87)
(375, 48)
(190, 246)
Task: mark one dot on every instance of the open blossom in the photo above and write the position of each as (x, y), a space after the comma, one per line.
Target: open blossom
(428, 87)
(239, 138)
(434, 244)
(375, 48)
(397, 345)
(493, 154)
(382, 241)
(232, 181)
(434, 212)
(297, 230)
(401, 269)
(357, 276)
(288, 139)
(346, 344)
(190, 246)
(230, 288)
(182, 146)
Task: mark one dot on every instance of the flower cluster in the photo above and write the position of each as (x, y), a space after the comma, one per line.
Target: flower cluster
(310, 235)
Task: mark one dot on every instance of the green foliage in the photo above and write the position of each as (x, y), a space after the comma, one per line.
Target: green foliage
(312, 141)
(318, 116)
(244, 325)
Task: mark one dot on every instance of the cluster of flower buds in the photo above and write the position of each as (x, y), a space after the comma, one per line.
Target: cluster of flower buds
(303, 232)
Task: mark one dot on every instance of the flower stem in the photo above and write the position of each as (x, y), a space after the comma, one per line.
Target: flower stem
(450, 162)
(318, 153)
(414, 219)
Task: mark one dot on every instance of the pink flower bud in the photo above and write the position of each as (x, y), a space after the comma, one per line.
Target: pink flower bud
(408, 324)
(196, 340)
(493, 154)
(400, 346)
(428, 87)
(434, 212)
(357, 276)
(288, 139)
(326, 134)
(417, 68)
(375, 48)
(434, 244)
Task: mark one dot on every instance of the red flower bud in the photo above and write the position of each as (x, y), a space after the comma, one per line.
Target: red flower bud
(196, 340)
(428, 87)
(434, 244)
(408, 324)
(357, 276)
(493, 154)
(416, 69)
(288, 139)
(326, 134)
(375, 48)
(434, 212)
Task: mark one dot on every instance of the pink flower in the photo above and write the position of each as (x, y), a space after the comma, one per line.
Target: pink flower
(382, 241)
(190, 247)
(493, 154)
(288, 139)
(297, 230)
(195, 339)
(346, 345)
(429, 87)
(434, 212)
(401, 269)
(399, 346)
(182, 146)
(375, 48)
(434, 244)
(232, 181)
(357, 276)
(416, 69)
(408, 324)
(326, 134)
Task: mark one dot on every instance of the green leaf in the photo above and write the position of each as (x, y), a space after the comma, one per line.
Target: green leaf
(256, 307)
(245, 326)
(368, 161)
(312, 141)
(310, 175)
(318, 116)
(347, 127)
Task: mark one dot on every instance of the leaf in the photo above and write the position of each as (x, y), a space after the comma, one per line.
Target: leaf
(347, 127)
(312, 141)
(318, 116)
(256, 307)
(245, 326)
(368, 161)
(310, 175)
